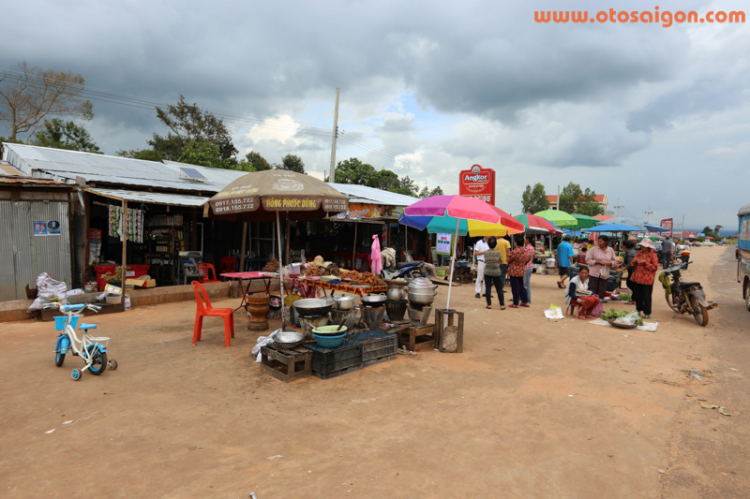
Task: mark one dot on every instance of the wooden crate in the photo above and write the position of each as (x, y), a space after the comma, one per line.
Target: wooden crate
(415, 335)
(284, 364)
(447, 318)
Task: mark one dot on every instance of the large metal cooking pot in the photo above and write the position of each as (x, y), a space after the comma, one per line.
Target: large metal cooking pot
(422, 291)
(313, 307)
(374, 300)
(396, 290)
(344, 302)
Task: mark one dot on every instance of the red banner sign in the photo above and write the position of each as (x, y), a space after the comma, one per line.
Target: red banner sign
(667, 224)
(479, 183)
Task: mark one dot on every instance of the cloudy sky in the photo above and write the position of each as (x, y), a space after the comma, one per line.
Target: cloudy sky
(654, 117)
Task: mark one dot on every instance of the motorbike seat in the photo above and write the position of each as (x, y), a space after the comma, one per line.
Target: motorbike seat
(402, 265)
(688, 284)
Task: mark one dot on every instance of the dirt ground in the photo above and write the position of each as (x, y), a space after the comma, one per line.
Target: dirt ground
(530, 409)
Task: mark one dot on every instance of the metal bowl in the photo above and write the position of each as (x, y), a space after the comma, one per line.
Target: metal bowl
(313, 307)
(288, 339)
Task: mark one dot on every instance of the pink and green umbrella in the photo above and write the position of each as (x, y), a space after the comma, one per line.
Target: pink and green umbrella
(455, 211)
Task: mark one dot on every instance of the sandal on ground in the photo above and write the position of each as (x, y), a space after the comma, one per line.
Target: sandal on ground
(525, 305)
(502, 307)
(513, 306)
(488, 307)
(646, 316)
(559, 284)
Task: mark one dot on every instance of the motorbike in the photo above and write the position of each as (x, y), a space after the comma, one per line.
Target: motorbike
(405, 270)
(685, 297)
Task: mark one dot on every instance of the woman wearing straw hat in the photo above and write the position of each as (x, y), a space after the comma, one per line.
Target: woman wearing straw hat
(645, 263)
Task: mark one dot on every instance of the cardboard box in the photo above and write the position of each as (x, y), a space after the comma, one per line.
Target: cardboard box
(140, 283)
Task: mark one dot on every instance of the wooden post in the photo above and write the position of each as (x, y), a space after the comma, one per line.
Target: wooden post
(194, 231)
(288, 238)
(354, 248)
(124, 249)
(242, 250)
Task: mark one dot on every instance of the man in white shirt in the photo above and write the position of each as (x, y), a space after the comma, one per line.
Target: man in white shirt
(479, 248)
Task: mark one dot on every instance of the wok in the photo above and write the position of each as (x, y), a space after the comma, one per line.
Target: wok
(313, 307)
(374, 300)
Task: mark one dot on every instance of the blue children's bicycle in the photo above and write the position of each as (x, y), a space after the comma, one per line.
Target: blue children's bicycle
(92, 349)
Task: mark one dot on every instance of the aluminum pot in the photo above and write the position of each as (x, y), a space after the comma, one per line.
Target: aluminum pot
(396, 290)
(343, 302)
(374, 300)
(422, 291)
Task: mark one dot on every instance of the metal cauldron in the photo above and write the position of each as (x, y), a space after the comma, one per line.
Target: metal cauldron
(396, 290)
(422, 291)
(343, 302)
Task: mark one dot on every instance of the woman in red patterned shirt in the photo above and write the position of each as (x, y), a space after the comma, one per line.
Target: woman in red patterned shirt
(517, 260)
(645, 263)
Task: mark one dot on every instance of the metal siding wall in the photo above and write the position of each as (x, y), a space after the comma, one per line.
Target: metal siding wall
(22, 234)
(7, 267)
(52, 253)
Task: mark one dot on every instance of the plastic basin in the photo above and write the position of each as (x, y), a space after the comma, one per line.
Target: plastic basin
(327, 341)
(329, 331)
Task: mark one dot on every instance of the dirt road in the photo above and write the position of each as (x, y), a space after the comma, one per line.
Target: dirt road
(530, 409)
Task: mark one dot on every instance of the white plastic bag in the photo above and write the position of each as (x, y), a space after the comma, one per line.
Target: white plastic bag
(629, 319)
(263, 341)
(48, 288)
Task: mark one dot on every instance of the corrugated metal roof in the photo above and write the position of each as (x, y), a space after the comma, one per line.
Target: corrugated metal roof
(364, 194)
(58, 164)
(65, 166)
(32, 182)
(150, 197)
(6, 169)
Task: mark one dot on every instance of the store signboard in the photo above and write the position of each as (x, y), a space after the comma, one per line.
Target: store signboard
(443, 244)
(479, 183)
(667, 223)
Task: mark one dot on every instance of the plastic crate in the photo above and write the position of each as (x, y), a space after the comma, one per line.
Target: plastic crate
(376, 344)
(332, 362)
(62, 320)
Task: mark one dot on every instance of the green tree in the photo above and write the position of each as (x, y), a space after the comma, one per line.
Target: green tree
(534, 199)
(188, 123)
(426, 192)
(257, 161)
(386, 180)
(573, 199)
(30, 95)
(293, 163)
(406, 187)
(353, 171)
(145, 154)
(590, 209)
(64, 135)
(207, 154)
(717, 230)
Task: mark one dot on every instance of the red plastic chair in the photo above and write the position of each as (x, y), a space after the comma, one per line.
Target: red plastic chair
(206, 310)
(228, 264)
(206, 270)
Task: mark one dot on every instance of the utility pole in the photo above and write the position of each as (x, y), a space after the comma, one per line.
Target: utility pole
(558, 198)
(332, 178)
(648, 216)
(618, 207)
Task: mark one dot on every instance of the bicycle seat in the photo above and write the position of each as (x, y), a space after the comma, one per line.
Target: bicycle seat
(85, 327)
(688, 284)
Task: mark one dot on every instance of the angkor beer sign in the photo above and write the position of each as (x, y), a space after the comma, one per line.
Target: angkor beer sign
(478, 183)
